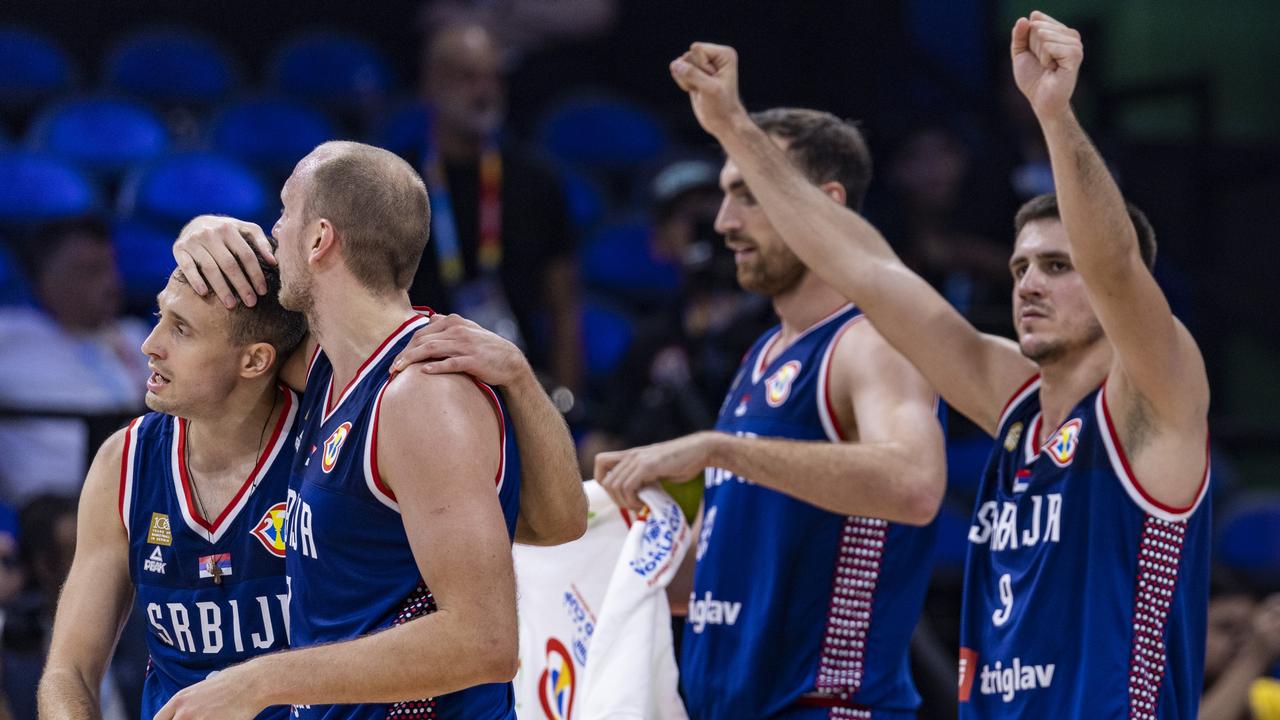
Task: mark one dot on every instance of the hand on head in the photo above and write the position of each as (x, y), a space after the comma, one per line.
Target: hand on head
(216, 253)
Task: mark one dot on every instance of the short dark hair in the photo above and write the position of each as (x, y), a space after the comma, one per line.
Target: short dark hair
(44, 241)
(378, 204)
(267, 321)
(1046, 206)
(824, 147)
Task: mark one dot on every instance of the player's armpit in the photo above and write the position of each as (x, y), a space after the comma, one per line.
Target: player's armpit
(96, 597)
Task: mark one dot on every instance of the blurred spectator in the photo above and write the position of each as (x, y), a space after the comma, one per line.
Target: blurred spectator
(942, 230)
(684, 356)
(501, 249)
(524, 25)
(71, 353)
(11, 580)
(47, 528)
(1241, 648)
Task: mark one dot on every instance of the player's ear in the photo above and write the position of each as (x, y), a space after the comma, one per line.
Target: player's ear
(257, 360)
(834, 190)
(325, 240)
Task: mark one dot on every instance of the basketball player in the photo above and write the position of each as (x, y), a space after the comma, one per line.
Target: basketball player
(1087, 574)
(181, 510)
(824, 465)
(401, 589)
(204, 617)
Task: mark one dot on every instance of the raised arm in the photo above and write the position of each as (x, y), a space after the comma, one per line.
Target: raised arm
(975, 373)
(895, 470)
(95, 600)
(459, 540)
(553, 505)
(1157, 384)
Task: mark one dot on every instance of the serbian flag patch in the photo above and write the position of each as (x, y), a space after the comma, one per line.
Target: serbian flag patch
(215, 566)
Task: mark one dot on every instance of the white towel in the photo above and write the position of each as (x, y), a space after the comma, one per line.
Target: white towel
(595, 634)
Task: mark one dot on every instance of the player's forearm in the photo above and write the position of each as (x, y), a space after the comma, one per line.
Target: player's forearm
(1104, 244)
(1229, 697)
(884, 480)
(65, 694)
(553, 505)
(840, 246)
(433, 655)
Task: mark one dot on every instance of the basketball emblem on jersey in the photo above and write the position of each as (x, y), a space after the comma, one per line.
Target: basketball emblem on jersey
(555, 686)
(1012, 437)
(270, 530)
(1062, 448)
(333, 445)
(778, 387)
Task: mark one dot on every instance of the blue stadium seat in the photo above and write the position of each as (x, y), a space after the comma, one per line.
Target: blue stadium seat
(171, 67)
(404, 130)
(606, 336)
(329, 68)
(603, 133)
(102, 135)
(584, 198)
(1249, 536)
(617, 260)
(177, 188)
(270, 133)
(35, 188)
(14, 289)
(32, 68)
(145, 259)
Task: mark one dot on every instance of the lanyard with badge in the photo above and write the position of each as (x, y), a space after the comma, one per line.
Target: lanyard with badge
(481, 299)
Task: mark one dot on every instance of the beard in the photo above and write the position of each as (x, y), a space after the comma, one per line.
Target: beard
(771, 273)
(297, 295)
(1052, 351)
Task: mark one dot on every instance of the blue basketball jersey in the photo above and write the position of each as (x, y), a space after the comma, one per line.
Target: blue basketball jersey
(350, 567)
(212, 592)
(798, 612)
(1083, 596)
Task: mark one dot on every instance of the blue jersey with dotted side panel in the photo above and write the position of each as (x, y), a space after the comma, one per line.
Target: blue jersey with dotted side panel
(1084, 597)
(212, 593)
(798, 612)
(350, 567)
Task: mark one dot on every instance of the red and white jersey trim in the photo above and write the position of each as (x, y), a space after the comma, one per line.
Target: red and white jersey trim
(826, 409)
(409, 326)
(762, 359)
(128, 461)
(213, 531)
(373, 479)
(1129, 481)
(842, 663)
(1030, 386)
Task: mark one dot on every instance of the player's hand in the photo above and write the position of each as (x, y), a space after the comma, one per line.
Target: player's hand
(217, 253)
(1046, 62)
(623, 473)
(1266, 628)
(709, 73)
(453, 344)
(219, 697)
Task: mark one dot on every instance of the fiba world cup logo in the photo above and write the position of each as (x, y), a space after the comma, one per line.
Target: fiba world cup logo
(555, 686)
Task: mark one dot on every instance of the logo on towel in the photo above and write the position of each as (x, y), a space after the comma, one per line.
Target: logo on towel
(270, 530)
(555, 686)
(778, 386)
(333, 445)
